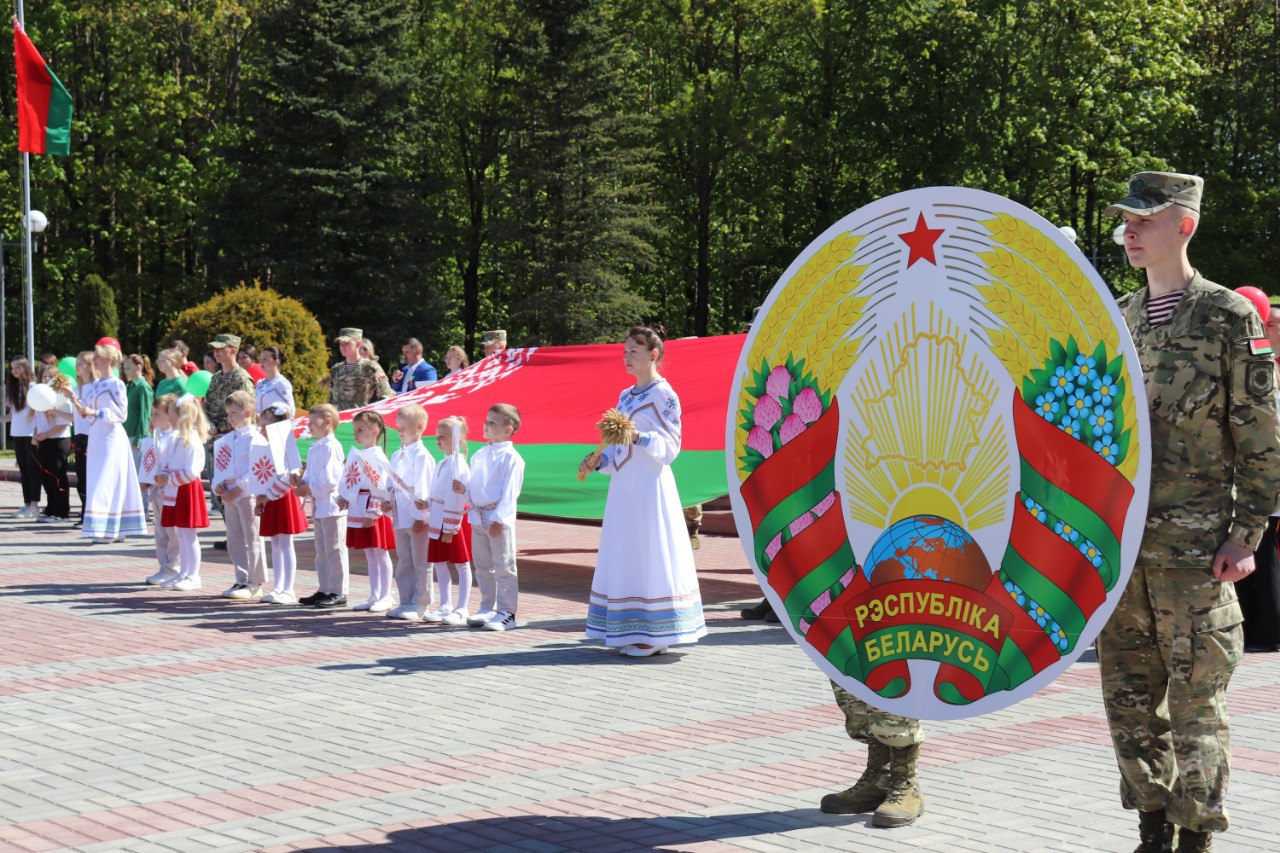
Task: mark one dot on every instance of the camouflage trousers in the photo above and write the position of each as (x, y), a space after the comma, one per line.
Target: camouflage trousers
(1166, 656)
(865, 723)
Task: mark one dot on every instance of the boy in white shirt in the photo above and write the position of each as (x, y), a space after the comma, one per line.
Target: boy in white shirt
(244, 545)
(493, 487)
(412, 468)
(320, 480)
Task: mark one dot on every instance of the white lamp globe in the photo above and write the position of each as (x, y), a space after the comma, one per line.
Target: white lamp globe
(37, 222)
(1069, 233)
(1118, 234)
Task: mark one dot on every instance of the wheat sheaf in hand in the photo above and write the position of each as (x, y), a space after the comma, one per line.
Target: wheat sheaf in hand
(615, 428)
(62, 385)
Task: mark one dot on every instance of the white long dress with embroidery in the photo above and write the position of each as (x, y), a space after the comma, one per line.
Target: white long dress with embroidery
(645, 589)
(113, 500)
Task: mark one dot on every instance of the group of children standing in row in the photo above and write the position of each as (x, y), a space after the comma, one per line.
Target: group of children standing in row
(410, 504)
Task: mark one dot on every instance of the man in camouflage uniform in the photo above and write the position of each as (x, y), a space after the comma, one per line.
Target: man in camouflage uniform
(224, 383)
(494, 342)
(889, 784)
(1171, 645)
(356, 381)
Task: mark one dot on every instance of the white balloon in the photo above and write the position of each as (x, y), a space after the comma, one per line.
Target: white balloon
(39, 222)
(1118, 234)
(41, 398)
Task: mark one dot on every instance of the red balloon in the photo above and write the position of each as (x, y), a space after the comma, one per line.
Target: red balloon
(112, 342)
(1259, 300)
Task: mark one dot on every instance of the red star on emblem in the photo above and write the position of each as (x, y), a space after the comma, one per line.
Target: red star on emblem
(920, 241)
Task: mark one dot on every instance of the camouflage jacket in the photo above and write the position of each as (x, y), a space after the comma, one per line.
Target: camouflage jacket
(1215, 428)
(354, 385)
(222, 386)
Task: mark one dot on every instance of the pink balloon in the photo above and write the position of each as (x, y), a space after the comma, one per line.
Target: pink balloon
(1259, 300)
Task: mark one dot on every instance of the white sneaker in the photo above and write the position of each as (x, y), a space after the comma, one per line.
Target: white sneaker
(270, 597)
(48, 519)
(481, 618)
(366, 604)
(637, 652)
(284, 597)
(102, 540)
(245, 592)
(400, 611)
(503, 621)
(382, 605)
(29, 512)
(187, 584)
(162, 576)
(436, 615)
(171, 582)
(230, 592)
(411, 616)
(454, 617)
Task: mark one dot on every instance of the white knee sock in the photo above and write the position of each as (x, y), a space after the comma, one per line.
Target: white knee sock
(379, 572)
(464, 584)
(188, 553)
(284, 561)
(444, 581)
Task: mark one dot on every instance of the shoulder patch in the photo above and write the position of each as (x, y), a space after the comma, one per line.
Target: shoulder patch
(1260, 346)
(1260, 379)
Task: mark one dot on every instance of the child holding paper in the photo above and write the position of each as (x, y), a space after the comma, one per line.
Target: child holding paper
(448, 530)
(493, 487)
(154, 453)
(320, 480)
(185, 509)
(230, 480)
(363, 489)
(275, 462)
(412, 468)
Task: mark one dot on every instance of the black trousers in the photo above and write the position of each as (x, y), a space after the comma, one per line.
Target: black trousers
(80, 444)
(1260, 594)
(28, 468)
(52, 455)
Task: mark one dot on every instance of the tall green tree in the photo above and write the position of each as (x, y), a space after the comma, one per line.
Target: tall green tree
(322, 200)
(581, 217)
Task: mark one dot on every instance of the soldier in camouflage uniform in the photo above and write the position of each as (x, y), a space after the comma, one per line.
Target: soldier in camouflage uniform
(356, 381)
(1171, 645)
(889, 784)
(230, 379)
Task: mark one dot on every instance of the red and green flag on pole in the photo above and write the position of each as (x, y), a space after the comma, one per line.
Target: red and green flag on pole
(44, 105)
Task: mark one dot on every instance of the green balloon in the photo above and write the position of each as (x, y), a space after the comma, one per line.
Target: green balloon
(198, 384)
(67, 367)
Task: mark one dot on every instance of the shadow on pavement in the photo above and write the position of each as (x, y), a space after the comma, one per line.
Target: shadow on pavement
(558, 832)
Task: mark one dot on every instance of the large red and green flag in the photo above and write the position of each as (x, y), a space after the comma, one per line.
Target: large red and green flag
(44, 105)
(561, 393)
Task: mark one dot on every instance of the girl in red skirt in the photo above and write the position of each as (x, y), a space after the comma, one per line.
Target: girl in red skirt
(184, 507)
(448, 530)
(361, 493)
(280, 511)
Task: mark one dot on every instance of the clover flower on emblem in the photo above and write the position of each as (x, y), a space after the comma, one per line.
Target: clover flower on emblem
(1091, 553)
(1086, 370)
(1071, 427)
(1078, 402)
(1106, 448)
(1104, 390)
(1066, 531)
(1061, 382)
(263, 470)
(1046, 406)
(1101, 420)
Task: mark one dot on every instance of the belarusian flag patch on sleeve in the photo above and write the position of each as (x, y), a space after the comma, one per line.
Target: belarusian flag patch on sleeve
(1260, 346)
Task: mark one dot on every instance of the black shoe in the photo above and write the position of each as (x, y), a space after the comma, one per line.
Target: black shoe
(220, 545)
(757, 611)
(312, 599)
(330, 601)
(771, 617)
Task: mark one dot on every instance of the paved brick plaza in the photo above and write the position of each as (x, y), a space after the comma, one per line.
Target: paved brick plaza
(136, 719)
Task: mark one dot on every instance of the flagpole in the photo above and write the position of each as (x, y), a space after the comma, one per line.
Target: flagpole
(26, 233)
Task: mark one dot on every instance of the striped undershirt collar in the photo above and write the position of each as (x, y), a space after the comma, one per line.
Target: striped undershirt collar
(1161, 307)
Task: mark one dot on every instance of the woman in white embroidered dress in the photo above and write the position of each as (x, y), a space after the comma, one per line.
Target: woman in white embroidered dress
(113, 500)
(644, 596)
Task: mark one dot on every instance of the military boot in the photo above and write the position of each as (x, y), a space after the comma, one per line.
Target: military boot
(866, 793)
(1190, 841)
(1155, 833)
(903, 802)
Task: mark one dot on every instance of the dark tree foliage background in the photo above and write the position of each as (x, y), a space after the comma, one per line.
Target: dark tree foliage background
(563, 168)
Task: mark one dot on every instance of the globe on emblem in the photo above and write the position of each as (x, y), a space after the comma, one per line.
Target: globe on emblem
(927, 547)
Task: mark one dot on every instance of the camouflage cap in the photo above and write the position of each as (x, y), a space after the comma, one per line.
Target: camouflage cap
(1152, 192)
(497, 336)
(220, 341)
(349, 334)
